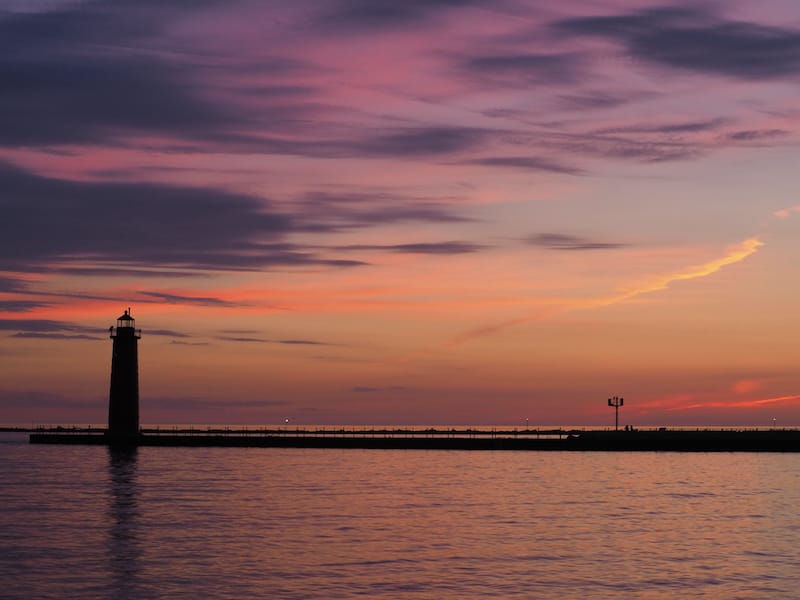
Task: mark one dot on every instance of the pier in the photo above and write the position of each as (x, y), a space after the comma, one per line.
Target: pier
(659, 439)
(124, 429)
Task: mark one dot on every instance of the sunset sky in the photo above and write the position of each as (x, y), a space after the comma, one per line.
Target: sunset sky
(417, 212)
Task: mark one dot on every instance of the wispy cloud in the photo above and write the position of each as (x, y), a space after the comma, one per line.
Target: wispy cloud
(522, 69)
(561, 241)
(167, 333)
(260, 340)
(12, 284)
(243, 340)
(421, 142)
(485, 330)
(746, 386)
(367, 389)
(357, 208)
(182, 299)
(527, 163)
(166, 226)
(45, 326)
(735, 404)
(696, 40)
(594, 100)
(756, 135)
(453, 247)
(343, 16)
(21, 305)
(54, 336)
(734, 254)
(785, 213)
(668, 128)
(84, 64)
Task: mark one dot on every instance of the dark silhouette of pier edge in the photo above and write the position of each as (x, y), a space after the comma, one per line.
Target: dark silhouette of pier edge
(124, 431)
(659, 439)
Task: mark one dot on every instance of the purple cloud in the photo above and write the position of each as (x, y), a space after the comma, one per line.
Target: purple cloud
(560, 241)
(695, 40)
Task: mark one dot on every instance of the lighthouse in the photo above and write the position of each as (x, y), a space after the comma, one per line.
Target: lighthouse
(123, 399)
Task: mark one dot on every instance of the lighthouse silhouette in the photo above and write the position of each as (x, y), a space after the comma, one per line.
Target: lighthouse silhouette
(123, 399)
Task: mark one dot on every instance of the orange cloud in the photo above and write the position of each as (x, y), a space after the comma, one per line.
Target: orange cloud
(745, 386)
(734, 254)
(778, 399)
(785, 213)
(490, 329)
(738, 404)
(668, 401)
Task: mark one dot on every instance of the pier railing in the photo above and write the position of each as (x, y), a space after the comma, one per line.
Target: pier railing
(658, 439)
(373, 432)
(364, 432)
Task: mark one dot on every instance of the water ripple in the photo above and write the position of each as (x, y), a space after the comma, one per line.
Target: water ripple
(284, 523)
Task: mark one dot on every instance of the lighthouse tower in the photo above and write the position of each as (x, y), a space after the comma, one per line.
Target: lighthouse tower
(123, 400)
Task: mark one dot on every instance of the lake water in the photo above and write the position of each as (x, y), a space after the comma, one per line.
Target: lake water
(84, 522)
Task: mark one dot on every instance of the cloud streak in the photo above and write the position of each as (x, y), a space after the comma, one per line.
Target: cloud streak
(367, 389)
(348, 15)
(560, 241)
(785, 213)
(142, 225)
(526, 163)
(48, 328)
(695, 40)
(453, 247)
(734, 254)
(166, 298)
(259, 340)
(518, 69)
(54, 336)
(736, 404)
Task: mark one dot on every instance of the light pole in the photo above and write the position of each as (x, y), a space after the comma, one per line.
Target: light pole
(616, 402)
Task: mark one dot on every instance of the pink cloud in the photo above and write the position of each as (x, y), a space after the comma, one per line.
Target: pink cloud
(745, 386)
(785, 213)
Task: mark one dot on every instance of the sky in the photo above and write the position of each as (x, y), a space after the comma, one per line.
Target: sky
(457, 212)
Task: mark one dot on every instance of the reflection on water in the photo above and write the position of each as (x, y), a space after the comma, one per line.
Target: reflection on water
(124, 543)
(85, 522)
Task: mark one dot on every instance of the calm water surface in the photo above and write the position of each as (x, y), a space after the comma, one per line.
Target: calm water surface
(301, 523)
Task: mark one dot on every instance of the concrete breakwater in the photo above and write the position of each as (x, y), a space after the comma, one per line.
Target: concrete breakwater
(681, 440)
